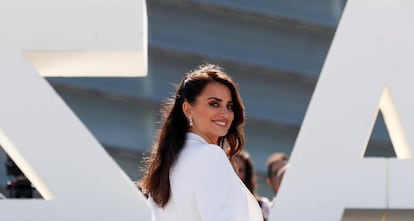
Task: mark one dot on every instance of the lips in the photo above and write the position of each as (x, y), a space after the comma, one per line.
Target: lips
(221, 123)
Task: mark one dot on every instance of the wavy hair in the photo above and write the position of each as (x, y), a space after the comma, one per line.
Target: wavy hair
(175, 125)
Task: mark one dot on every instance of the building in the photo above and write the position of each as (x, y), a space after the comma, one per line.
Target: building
(273, 49)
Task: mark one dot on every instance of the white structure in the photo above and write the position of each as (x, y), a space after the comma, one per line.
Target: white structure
(369, 68)
(76, 177)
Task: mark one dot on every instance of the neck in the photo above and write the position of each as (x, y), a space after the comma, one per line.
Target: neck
(209, 140)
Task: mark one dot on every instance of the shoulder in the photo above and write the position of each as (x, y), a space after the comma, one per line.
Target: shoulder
(200, 155)
(209, 158)
(212, 149)
(199, 148)
(211, 152)
(213, 165)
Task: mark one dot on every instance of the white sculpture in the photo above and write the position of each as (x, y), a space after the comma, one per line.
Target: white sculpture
(76, 177)
(368, 68)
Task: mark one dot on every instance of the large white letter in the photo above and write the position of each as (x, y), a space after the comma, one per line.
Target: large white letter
(73, 173)
(369, 68)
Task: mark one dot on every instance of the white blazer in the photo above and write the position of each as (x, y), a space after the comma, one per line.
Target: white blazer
(204, 187)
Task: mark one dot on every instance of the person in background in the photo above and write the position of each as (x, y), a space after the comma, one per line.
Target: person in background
(277, 164)
(243, 166)
(189, 176)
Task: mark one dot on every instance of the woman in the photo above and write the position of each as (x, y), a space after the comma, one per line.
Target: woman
(189, 176)
(243, 166)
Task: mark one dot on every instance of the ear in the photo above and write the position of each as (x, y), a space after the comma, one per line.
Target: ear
(186, 109)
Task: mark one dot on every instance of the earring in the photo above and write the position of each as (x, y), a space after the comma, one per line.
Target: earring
(191, 121)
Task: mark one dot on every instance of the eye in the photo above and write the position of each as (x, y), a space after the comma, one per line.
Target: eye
(230, 106)
(214, 104)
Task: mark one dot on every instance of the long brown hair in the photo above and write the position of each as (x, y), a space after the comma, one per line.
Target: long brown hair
(171, 136)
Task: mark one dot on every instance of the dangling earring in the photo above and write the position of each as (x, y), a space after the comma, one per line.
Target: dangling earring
(191, 121)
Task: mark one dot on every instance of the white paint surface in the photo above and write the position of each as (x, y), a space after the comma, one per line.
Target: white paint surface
(369, 63)
(76, 177)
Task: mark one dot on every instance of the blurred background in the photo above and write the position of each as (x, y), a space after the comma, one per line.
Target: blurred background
(274, 49)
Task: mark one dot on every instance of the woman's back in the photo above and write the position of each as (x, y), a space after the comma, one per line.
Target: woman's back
(188, 175)
(204, 187)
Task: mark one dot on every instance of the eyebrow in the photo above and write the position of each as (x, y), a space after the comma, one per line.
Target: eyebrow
(217, 99)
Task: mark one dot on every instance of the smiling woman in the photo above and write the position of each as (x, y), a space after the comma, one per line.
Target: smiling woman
(212, 113)
(189, 176)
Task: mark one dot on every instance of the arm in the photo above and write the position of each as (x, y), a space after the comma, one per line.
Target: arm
(214, 186)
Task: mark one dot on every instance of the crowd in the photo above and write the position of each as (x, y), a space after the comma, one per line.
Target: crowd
(277, 164)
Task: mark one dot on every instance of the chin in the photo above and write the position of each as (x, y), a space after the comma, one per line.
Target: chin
(222, 134)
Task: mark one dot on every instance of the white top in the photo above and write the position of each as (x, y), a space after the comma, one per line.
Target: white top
(204, 187)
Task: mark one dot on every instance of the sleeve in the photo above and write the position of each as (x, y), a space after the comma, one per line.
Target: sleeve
(213, 185)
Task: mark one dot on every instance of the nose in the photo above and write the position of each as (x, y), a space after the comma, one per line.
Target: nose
(226, 113)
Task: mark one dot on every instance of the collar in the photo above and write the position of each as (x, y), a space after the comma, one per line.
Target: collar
(190, 136)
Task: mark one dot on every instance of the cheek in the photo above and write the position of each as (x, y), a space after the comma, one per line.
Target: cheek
(202, 114)
(207, 111)
(231, 117)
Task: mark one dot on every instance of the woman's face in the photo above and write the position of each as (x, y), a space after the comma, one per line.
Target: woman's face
(212, 112)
